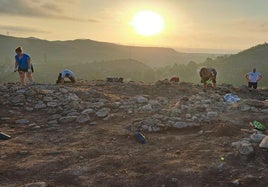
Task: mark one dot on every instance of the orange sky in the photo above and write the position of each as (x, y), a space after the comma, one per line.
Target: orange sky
(195, 25)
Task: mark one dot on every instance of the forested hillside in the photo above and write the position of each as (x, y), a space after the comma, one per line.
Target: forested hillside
(87, 51)
(231, 68)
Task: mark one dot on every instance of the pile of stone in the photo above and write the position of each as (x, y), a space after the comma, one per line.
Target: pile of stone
(88, 105)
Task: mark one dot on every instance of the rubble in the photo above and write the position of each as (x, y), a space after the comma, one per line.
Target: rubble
(95, 122)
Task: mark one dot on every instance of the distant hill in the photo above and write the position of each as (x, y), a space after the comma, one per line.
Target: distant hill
(87, 51)
(231, 68)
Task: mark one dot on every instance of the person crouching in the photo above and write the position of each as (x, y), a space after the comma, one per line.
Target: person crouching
(174, 79)
(66, 74)
(208, 74)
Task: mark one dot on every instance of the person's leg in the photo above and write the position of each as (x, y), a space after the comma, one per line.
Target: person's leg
(22, 77)
(29, 76)
(204, 81)
(205, 85)
(255, 84)
(72, 79)
(214, 83)
(249, 84)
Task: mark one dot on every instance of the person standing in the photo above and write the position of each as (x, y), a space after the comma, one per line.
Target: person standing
(66, 74)
(253, 78)
(23, 66)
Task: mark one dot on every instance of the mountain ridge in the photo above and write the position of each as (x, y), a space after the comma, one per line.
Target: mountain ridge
(87, 50)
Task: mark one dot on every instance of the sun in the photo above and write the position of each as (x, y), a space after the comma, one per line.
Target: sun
(147, 23)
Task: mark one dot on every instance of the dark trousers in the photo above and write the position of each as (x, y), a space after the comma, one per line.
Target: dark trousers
(252, 84)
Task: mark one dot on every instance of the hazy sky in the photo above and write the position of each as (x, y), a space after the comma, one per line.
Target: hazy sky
(192, 25)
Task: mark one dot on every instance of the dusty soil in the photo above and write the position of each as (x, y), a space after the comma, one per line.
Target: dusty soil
(107, 154)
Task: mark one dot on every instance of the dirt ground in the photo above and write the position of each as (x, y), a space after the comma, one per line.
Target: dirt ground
(107, 154)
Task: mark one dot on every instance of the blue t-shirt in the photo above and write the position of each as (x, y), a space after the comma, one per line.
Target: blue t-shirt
(66, 71)
(253, 77)
(23, 61)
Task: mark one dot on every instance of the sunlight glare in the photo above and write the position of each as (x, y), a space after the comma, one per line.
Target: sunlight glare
(147, 23)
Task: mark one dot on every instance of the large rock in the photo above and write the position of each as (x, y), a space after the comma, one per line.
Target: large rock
(40, 105)
(73, 96)
(254, 102)
(244, 107)
(67, 119)
(141, 99)
(180, 125)
(22, 121)
(257, 138)
(52, 104)
(264, 111)
(35, 184)
(245, 148)
(103, 112)
(83, 118)
(212, 114)
(18, 99)
(264, 143)
(88, 111)
(47, 99)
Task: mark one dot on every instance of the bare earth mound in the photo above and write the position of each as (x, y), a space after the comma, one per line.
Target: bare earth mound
(83, 135)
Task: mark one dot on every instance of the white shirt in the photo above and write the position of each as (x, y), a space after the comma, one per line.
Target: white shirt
(66, 71)
(253, 77)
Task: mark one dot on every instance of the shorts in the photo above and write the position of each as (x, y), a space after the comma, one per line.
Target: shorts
(252, 84)
(26, 70)
(204, 80)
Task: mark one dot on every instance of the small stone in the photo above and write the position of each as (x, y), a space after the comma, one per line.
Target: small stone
(23, 152)
(236, 182)
(36, 184)
(22, 121)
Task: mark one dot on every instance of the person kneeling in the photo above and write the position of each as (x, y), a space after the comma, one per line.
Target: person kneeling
(66, 74)
(174, 79)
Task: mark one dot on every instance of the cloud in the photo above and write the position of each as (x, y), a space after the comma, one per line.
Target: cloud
(19, 8)
(21, 29)
(250, 25)
(51, 7)
(40, 9)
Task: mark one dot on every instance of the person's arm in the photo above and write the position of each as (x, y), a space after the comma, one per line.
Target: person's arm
(247, 77)
(16, 66)
(259, 78)
(29, 65)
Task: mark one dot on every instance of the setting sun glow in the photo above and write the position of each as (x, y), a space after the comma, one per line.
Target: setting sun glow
(147, 23)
